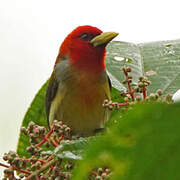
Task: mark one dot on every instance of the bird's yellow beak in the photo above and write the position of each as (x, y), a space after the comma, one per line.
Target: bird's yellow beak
(103, 38)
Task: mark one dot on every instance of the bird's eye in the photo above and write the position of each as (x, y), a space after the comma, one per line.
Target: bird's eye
(86, 37)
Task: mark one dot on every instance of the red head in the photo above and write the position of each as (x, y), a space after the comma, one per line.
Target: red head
(84, 53)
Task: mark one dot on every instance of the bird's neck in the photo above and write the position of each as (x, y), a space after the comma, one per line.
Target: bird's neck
(90, 62)
(85, 62)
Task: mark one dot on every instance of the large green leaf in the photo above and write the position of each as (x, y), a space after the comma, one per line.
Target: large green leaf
(120, 54)
(143, 144)
(162, 64)
(35, 113)
(159, 61)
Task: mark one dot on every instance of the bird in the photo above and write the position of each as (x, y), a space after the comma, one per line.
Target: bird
(79, 83)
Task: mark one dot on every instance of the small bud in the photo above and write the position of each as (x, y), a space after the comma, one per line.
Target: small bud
(67, 175)
(130, 77)
(128, 69)
(104, 176)
(5, 157)
(152, 97)
(33, 167)
(107, 170)
(147, 99)
(122, 93)
(67, 129)
(31, 126)
(100, 170)
(68, 166)
(98, 178)
(64, 126)
(141, 84)
(31, 135)
(8, 171)
(146, 84)
(31, 149)
(23, 164)
(126, 99)
(21, 175)
(136, 89)
(141, 78)
(106, 101)
(105, 104)
(138, 98)
(55, 121)
(36, 130)
(55, 170)
(156, 95)
(56, 127)
(42, 131)
(16, 162)
(24, 131)
(12, 154)
(169, 98)
(60, 132)
(33, 159)
(116, 107)
(38, 164)
(60, 122)
(110, 107)
(159, 91)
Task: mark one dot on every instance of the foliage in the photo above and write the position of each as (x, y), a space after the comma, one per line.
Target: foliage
(141, 141)
(142, 144)
(159, 61)
(35, 113)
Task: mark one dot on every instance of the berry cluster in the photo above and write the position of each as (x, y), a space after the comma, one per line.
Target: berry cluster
(100, 174)
(140, 88)
(136, 93)
(39, 166)
(38, 135)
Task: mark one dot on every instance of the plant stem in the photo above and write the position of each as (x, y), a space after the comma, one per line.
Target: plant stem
(45, 139)
(144, 92)
(3, 165)
(130, 91)
(20, 170)
(53, 142)
(121, 104)
(44, 167)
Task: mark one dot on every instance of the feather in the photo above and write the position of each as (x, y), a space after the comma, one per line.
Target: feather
(76, 99)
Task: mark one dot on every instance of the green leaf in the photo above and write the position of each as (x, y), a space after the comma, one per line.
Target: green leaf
(143, 144)
(69, 150)
(162, 65)
(159, 61)
(120, 54)
(73, 145)
(68, 155)
(35, 113)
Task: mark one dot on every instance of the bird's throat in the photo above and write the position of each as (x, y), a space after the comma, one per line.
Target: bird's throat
(89, 62)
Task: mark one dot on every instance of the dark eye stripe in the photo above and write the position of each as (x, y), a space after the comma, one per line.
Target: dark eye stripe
(86, 37)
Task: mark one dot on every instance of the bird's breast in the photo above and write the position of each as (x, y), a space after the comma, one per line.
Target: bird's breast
(78, 102)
